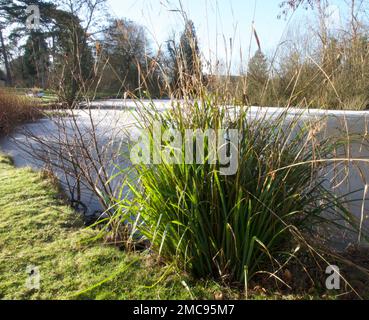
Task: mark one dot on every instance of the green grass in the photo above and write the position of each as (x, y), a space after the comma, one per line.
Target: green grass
(36, 228)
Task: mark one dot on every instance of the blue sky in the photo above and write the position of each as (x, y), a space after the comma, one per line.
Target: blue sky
(217, 21)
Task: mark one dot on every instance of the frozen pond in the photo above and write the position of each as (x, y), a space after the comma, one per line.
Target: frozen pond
(116, 118)
(110, 127)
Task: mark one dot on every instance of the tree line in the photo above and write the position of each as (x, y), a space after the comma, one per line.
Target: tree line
(79, 49)
(318, 65)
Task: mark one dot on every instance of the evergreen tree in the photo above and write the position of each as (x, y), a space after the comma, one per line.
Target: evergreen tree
(2, 75)
(185, 61)
(189, 50)
(4, 53)
(257, 77)
(13, 12)
(125, 44)
(73, 58)
(36, 59)
(72, 53)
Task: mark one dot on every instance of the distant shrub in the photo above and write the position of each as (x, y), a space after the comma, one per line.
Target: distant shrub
(14, 110)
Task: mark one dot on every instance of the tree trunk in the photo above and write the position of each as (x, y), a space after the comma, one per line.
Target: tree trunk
(6, 62)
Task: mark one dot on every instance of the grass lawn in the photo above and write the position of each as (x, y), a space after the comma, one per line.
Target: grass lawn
(37, 228)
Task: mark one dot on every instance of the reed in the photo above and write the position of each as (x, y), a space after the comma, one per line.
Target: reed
(14, 110)
(233, 227)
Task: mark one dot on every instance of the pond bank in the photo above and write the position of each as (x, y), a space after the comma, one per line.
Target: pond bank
(37, 229)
